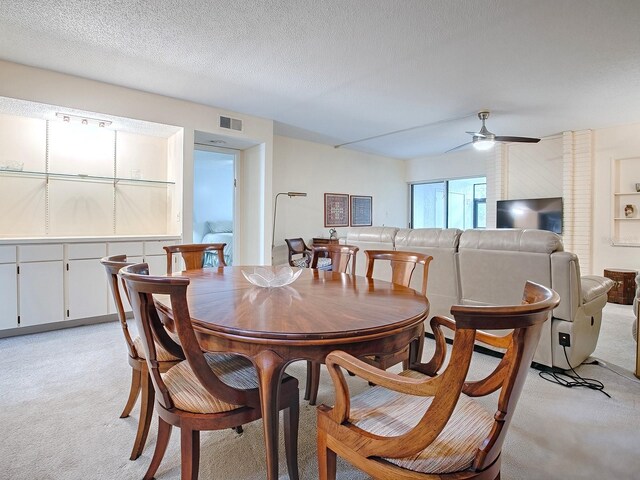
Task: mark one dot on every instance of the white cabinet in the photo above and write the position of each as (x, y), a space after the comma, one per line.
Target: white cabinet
(8, 287)
(52, 282)
(87, 288)
(41, 287)
(625, 203)
(156, 257)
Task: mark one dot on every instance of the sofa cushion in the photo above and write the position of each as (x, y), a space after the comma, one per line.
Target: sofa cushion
(442, 245)
(428, 237)
(372, 234)
(594, 285)
(534, 241)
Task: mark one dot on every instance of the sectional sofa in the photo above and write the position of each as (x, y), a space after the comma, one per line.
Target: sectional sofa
(483, 267)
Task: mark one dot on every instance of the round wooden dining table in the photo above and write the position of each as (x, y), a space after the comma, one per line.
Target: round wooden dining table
(320, 312)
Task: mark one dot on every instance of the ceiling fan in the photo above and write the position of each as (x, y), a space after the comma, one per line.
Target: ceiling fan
(483, 139)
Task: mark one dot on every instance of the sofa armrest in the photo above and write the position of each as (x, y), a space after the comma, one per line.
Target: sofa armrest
(573, 289)
(565, 279)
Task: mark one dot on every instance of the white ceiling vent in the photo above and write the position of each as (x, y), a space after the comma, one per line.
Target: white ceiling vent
(231, 123)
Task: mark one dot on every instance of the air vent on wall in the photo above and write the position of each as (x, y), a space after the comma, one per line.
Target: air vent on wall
(231, 123)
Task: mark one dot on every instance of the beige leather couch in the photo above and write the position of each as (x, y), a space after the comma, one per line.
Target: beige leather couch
(483, 267)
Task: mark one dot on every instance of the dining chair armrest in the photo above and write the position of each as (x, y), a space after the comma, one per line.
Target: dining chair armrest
(444, 389)
(372, 374)
(432, 367)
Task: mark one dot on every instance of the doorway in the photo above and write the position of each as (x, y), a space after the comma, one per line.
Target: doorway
(214, 199)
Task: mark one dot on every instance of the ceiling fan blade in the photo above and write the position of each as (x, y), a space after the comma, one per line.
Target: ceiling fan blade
(475, 134)
(458, 147)
(517, 139)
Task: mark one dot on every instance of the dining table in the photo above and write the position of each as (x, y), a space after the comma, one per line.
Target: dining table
(321, 311)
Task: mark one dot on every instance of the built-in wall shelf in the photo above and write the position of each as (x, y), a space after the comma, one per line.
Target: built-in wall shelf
(625, 175)
(58, 179)
(80, 176)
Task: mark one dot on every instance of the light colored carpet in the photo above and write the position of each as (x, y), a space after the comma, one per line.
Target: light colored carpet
(61, 393)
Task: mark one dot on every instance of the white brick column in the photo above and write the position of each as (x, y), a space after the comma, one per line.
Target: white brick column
(577, 175)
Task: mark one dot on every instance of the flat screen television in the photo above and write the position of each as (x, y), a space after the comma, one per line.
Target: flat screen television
(540, 213)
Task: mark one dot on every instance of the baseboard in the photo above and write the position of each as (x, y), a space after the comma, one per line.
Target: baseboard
(47, 327)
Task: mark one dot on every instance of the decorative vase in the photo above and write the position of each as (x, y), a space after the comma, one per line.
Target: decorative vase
(629, 211)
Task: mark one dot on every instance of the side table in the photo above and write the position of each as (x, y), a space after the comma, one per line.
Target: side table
(324, 241)
(625, 288)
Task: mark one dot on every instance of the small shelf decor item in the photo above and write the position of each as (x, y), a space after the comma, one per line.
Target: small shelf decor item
(267, 278)
(361, 209)
(629, 211)
(336, 210)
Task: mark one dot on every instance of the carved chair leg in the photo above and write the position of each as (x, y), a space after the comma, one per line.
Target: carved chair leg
(291, 421)
(134, 391)
(313, 382)
(189, 453)
(164, 433)
(146, 413)
(326, 459)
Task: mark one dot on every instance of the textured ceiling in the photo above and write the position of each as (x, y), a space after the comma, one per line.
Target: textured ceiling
(340, 70)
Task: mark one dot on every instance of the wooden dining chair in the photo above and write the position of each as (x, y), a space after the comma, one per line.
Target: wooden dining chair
(403, 265)
(422, 424)
(299, 254)
(341, 257)
(193, 254)
(206, 391)
(140, 380)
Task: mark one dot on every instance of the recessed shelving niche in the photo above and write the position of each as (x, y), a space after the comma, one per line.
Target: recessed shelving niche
(64, 179)
(625, 202)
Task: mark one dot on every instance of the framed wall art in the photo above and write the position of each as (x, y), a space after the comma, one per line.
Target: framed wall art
(336, 210)
(361, 211)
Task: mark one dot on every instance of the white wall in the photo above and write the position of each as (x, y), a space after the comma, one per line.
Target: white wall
(534, 170)
(251, 210)
(609, 143)
(318, 169)
(45, 86)
(461, 164)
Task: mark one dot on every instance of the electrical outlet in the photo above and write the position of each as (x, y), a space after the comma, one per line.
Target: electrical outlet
(564, 339)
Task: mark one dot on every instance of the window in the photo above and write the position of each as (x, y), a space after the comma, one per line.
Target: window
(459, 203)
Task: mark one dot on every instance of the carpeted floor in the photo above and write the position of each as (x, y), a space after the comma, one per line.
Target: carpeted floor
(61, 393)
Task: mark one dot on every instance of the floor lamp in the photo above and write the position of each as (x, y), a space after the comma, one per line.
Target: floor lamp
(275, 211)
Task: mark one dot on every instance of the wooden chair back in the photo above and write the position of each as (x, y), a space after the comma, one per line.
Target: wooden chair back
(297, 246)
(112, 265)
(193, 254)
(341, 257)
(403, 265)
(142, 287)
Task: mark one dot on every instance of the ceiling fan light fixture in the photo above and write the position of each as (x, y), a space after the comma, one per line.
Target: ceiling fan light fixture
(483, 144)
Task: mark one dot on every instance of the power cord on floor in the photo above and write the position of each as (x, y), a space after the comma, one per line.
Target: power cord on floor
(574, 380)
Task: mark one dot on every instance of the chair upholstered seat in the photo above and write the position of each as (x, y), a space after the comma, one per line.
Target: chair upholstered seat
(323, 263)
(162, 354)
(387, 413)
(300, 262)
(188, 393)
